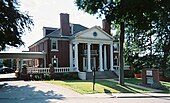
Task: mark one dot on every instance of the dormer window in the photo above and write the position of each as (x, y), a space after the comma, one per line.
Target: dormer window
(54, 45)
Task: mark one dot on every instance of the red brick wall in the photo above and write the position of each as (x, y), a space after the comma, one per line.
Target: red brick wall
(62, 54)
(64, 24)
(106, 26)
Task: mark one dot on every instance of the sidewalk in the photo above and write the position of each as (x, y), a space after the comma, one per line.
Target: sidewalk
(157, 93)
(7, 77)
(138, 86)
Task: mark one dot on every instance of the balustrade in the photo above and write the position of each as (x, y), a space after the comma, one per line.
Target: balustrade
(32, 70)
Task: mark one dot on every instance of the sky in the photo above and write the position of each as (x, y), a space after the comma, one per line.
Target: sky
(46, 13)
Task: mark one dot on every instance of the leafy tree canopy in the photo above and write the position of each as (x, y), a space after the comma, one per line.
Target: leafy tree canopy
(146, 23)
(12, 24)
(140, 13)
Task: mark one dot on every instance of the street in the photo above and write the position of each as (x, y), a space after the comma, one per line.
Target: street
(85, 100)
(41, 92)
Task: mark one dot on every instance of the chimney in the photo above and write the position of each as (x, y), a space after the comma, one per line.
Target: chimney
(64, 24)
(106, 26)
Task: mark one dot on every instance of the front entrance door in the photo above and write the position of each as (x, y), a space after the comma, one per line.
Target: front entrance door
(85, 63)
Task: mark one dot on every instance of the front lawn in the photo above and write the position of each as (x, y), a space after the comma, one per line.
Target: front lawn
(133, 80)
(102, 86)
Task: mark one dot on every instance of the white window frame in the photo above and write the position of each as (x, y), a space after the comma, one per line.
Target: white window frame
(52, 41)
(53, 61)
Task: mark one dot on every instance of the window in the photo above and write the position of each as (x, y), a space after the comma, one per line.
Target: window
(54, 45)
(55, 62)
(116, 61)
(116, 46)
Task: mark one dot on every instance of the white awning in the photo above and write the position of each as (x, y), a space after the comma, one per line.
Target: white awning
(23, 55)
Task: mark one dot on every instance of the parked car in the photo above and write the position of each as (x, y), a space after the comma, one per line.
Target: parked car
(4, 70)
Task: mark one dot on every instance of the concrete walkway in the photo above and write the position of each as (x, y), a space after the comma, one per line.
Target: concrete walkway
(41, 92)
(137, 86)
(8, 76)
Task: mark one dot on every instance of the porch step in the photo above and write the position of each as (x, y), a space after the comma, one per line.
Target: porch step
(102, 75)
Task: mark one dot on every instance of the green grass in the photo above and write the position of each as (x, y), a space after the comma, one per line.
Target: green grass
(133, 80)
(101, 86)
(138, 81)
(167, 84)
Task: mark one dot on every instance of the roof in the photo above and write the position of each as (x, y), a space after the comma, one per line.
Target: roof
(56, 33)
(23, 55)
(97, 27)
(77, 28)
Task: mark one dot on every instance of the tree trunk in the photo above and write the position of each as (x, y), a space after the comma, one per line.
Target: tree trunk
(121, 62)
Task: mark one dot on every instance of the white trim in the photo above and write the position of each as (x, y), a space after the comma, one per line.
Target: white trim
(111, 57)
(100, 58)
(76, 56)
(105, 58)
(85, 63)
(71, 54)
(56, 61)
(92, 41)
(84, 31)
(89, 57)
(54, 41)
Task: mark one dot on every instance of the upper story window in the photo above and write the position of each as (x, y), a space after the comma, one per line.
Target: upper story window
(116, 47)
(54, 45)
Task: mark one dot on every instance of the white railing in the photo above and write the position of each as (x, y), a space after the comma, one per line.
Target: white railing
(126, 67)
(93, 52)
(32, 70)
(62, 69)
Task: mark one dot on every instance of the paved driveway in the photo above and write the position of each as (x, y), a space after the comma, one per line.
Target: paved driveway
(33, 92)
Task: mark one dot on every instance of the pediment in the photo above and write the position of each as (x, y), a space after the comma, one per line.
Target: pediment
(94, 33)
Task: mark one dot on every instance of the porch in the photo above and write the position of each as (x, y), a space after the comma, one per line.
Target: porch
(32, 71)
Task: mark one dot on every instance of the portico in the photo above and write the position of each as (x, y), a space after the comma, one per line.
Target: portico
(94, 48)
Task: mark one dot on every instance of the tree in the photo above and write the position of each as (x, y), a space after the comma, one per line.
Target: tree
(150, 47)
(113, 12)
(139, 14)
(12, 24)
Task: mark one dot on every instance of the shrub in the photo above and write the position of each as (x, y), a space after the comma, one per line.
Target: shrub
(47, 76)
(66, 76)
(129, 75)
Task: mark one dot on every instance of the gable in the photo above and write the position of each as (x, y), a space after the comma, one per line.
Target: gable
(94, 33)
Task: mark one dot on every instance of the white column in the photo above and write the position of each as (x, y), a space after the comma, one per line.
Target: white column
(71, 55)
(76, 56)
(89, 57)
(105, 58)
(100, 57)
(18, 65)
(21, 63)
(45, 62)
(111, 57)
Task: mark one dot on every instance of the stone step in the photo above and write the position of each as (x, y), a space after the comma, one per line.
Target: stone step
(101, 75)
